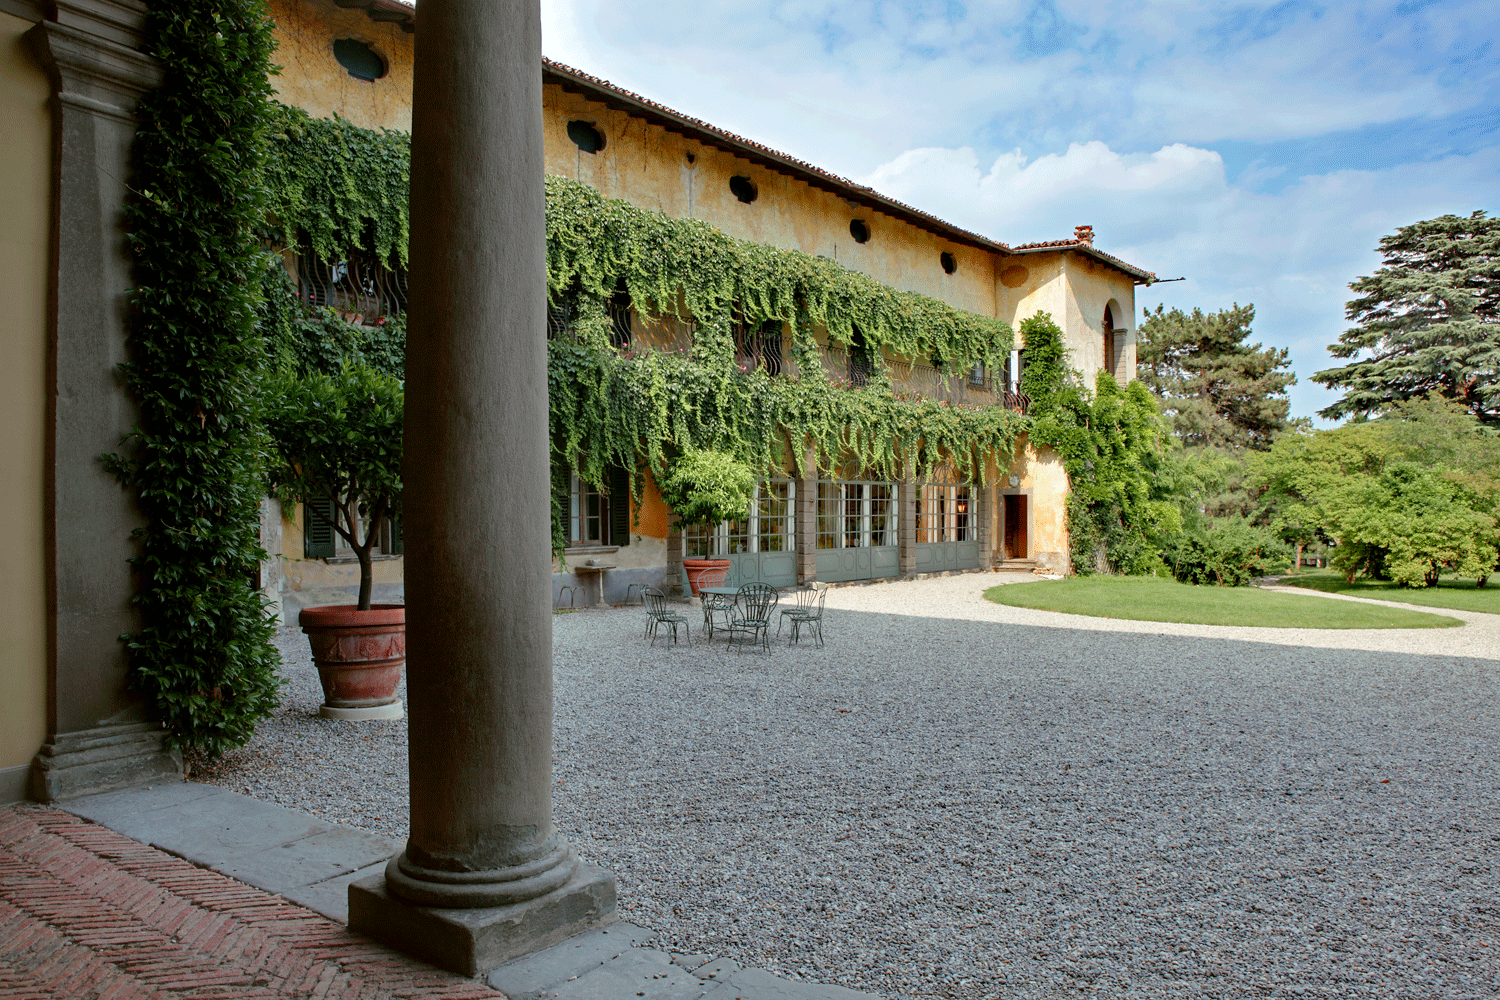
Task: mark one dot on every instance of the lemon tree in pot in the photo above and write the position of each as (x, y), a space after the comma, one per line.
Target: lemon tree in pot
(336, 438)
(706, 487)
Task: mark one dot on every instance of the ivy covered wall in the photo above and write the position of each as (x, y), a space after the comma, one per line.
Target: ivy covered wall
(336, 187)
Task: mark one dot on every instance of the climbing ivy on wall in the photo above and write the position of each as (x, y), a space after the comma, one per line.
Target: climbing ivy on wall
(611, 410)
(338, 186)
(345, 187)
(686, 267)
(1112, 442)
(203, 658)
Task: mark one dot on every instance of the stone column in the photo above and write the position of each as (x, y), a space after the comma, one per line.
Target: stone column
(806, 517)
(99, 735)
(906, 526)
(485, 875)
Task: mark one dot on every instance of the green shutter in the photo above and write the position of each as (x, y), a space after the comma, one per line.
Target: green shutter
(619, 507)
(317, 534)
(396, 546)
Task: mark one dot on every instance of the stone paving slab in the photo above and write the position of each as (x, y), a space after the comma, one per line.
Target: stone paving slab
(758, 984)
(206, 825)
(331, 898)
(310, 860)
(643, 973)
(567, 961)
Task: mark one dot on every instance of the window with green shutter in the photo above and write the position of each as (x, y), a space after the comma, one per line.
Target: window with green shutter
(317, 532)
(619, 507)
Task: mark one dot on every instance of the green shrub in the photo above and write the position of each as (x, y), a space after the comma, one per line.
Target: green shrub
(203, 660)
(1226, 552)
(706, 487)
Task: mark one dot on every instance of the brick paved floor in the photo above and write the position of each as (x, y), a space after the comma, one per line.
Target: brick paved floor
(88, 913)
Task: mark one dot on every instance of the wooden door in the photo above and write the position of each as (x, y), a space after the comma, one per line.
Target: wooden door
(1015, 527)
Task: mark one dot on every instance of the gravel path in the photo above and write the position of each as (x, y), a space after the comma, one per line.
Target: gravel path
(960, 799)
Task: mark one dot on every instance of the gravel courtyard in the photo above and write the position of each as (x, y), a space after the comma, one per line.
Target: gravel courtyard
(959, 799)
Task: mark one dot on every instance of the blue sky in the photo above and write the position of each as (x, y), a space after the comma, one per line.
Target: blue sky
(1259, 149)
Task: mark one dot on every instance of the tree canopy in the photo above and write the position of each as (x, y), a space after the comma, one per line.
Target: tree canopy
(1216, 389)
(1409, 496)
(1428, 321)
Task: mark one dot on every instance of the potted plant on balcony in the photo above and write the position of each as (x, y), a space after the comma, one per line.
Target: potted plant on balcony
(706, 487)
(336, 438)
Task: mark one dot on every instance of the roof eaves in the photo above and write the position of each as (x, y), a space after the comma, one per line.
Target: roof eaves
(634, 104)
(387, 11)
(1078, 246)
(405, 14)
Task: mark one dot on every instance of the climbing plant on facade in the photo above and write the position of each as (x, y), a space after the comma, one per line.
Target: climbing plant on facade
(203, 658)
(336, 187)
(1112, 441)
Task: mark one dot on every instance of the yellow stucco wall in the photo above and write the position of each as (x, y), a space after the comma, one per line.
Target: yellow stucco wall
(656, 169)
(25, 201)
(312, 79)
(1074, 290)
(1045, 482)
(316, 574)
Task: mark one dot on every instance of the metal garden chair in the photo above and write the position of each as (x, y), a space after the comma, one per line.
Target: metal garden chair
(752, 616)
(804, 599)
(810, 617)
(659, 614)
(718, 609)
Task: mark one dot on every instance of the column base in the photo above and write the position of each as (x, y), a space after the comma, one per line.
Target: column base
(471, 942)
(102, 760)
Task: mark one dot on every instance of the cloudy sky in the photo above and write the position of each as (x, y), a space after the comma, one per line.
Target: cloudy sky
(1259, 150)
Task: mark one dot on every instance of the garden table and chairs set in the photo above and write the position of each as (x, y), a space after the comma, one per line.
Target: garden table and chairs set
(744, 614)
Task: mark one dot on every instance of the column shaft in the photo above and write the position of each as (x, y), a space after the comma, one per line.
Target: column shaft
(478, 559)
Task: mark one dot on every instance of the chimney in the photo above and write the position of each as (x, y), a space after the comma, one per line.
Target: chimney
(1084, 234)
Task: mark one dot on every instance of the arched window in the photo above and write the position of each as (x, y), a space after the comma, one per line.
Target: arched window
(1107, 361)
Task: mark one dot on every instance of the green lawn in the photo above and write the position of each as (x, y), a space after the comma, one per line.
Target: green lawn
(1152, 599)
(1459, 594)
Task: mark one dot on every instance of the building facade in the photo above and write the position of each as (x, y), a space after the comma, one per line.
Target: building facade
(71, 72)
(836, 524)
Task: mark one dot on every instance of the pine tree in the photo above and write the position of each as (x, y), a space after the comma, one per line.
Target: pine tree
(1218, 390)
(1427, 322)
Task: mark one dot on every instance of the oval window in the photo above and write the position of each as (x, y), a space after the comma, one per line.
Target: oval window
(949, 262)
(743, 188)
(362, 62)
(585, 136)
(859, 231)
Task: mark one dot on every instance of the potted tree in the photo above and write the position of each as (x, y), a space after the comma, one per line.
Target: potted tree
(336, 437)
(706, 487)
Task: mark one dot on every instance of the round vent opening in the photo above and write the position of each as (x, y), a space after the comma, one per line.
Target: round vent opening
(743, 188)
(585, 136)
(362, 62)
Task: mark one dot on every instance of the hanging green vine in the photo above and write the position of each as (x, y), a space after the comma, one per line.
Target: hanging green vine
(1112, 442)
(344, 188)
(339, 186)
(203, 658)
(687, 268)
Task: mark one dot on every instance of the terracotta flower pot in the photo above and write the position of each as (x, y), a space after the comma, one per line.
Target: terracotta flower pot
(697, 567)
(360, 656)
